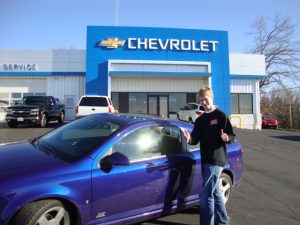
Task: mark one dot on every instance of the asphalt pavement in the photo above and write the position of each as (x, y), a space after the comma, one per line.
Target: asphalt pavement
(270, 190)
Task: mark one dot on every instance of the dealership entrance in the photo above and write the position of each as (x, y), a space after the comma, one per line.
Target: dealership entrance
(158, 105)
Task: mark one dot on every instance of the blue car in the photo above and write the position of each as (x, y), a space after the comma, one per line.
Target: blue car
(105, 169)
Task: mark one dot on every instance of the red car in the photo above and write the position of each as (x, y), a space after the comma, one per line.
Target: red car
(269, 122)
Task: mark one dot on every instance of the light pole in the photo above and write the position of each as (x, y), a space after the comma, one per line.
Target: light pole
(117, 5)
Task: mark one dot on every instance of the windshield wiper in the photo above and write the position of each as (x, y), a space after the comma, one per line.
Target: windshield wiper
(48, 149)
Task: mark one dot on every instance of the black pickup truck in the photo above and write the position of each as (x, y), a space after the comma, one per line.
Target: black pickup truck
(35, 110)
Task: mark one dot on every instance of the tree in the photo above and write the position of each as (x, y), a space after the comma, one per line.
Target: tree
(275, 38)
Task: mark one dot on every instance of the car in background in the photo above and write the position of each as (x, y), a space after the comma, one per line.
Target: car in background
(96, 170)
(190, 112)
(269, 122)
(38, 110)
(91, 104)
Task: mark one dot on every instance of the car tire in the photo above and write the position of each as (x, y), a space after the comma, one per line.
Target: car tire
(42, 212)
(225, 186)
(12, 124)
(178, 117)
(44, 120)
(61, 118)
(191, 120)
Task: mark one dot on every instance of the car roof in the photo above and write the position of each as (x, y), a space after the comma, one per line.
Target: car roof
(130, 118)
(102, 96)
(193, 103)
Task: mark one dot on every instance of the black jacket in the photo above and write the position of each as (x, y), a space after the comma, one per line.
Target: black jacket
(207, 130)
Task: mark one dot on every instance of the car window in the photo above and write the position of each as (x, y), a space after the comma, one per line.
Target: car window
(110, 102)
(80, 137)
(149, 142)
(186, 107)
(93, 101)
(35, 100)
(267, 117)
(193, 106)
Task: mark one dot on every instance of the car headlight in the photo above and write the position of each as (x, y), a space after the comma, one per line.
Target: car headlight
(34, 111)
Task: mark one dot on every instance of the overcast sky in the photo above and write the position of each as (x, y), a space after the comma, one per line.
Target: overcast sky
(55, 24)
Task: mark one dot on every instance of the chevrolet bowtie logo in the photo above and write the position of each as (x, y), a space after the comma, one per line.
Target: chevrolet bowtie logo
(112, 43)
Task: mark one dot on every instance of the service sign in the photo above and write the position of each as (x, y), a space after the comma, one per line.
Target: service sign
(159, 44)
(17, 67)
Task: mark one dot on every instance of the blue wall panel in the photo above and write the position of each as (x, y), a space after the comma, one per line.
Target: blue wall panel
(97, 56)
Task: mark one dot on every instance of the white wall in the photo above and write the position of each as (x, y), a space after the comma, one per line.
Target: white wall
(161, 84)
(247, 65)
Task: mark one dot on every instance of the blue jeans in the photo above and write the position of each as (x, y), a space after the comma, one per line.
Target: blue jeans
(212, 207)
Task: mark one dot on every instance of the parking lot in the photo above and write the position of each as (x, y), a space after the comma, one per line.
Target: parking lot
(269, 193)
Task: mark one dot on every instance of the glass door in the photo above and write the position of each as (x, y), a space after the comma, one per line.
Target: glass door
(158, 105)
(152, 105)
(163, 106)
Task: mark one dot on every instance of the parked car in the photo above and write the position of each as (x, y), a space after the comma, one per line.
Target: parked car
(269, 122)
(190, 112)
(35, 110)
(105, 169)
(91, 104)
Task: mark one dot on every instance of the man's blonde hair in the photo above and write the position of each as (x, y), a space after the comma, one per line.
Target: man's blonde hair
(206, 91)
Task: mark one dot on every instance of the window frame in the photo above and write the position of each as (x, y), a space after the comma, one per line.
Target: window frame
(238, 103)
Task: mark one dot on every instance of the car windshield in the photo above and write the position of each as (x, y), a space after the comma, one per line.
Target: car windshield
(267, 117)
(78, 138)
(35, 100)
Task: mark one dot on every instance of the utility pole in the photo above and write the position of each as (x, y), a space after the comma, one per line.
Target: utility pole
(291, 119)
(117, 6)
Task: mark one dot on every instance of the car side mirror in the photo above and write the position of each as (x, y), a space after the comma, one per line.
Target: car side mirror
(115, 159)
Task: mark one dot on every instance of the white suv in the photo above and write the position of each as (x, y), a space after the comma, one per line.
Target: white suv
(91, 104)
(190, 112)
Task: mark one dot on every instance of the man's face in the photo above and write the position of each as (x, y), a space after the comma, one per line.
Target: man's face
(207, 102)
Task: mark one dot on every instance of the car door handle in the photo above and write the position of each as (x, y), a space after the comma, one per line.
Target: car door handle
(93, 109)
(161, 167)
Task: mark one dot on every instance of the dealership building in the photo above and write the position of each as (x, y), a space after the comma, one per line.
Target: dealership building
(144, 70)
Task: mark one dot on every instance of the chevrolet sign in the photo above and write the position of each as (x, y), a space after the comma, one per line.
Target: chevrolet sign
(159, 44)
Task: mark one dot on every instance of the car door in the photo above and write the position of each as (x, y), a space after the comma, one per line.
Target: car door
(123, 191)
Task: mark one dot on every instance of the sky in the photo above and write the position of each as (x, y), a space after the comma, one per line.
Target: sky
(62, 24)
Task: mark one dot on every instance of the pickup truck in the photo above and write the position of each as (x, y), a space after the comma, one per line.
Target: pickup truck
(35, 110)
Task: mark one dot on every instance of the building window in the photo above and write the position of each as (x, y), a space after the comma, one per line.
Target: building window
(241, 103)
(176, 101)
(4, 99)
(138, 103)
(115, 100)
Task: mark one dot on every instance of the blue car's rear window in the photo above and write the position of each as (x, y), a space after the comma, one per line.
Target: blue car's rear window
(80, 137)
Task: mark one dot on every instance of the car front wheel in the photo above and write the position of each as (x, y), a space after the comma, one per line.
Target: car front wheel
(225, 186)
(43, 121)
(44, 212)
(61, 118)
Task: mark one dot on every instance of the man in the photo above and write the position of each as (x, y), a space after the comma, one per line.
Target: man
(213, 129)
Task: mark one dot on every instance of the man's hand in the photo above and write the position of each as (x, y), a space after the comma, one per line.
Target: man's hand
(187, 136)
(224, 136)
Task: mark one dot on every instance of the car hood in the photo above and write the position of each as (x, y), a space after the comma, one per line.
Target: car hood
(21, 159)
(20, 107)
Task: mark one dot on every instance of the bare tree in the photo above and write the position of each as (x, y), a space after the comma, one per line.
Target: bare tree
(275, 38)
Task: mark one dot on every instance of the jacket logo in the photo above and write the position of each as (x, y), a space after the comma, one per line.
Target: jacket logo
(214, 122)
(112, 43)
